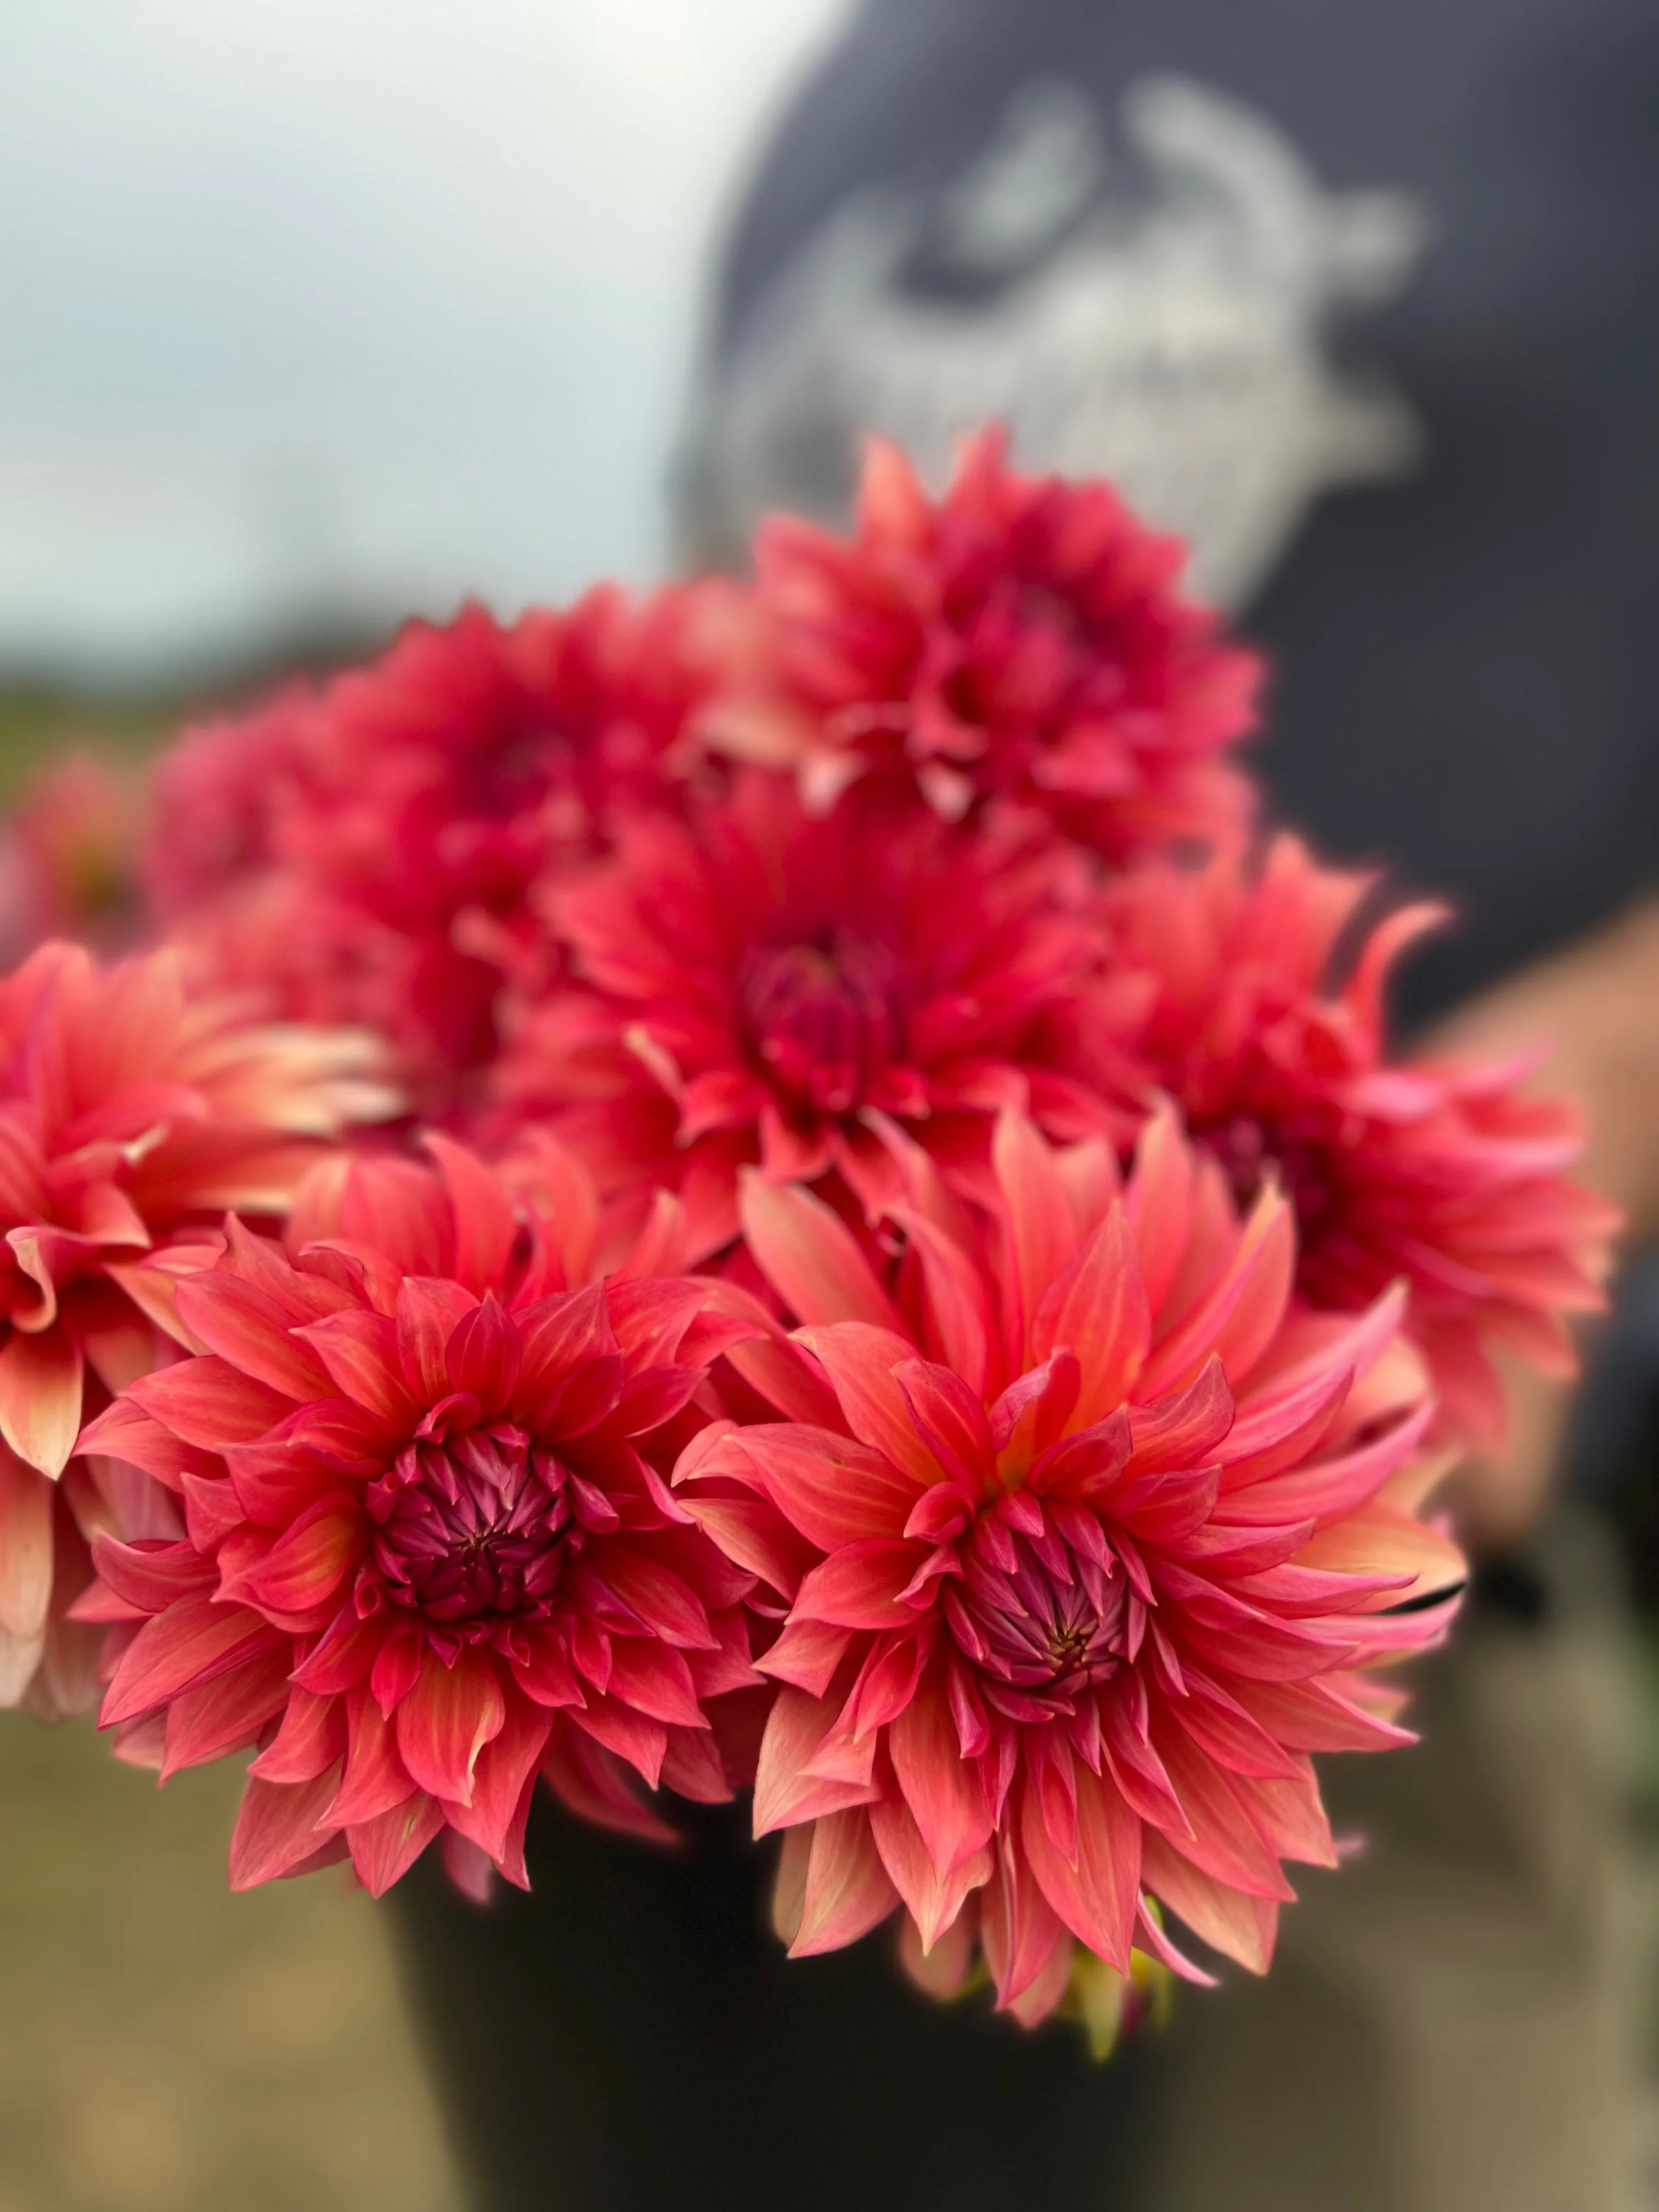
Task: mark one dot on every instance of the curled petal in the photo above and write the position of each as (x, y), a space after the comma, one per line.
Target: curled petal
(25, 1549)
(40, 1398)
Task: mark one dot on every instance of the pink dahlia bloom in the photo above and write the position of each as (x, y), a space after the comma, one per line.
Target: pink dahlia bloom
(1442, 1175)
(365, 854)
(1019, 640)
(219, 794)
(132, 1113)
(1094, 1538)
(751, 984)
(427, 1552)
(67, 852)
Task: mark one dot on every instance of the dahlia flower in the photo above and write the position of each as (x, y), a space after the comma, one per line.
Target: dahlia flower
(66, 857)
(1019, 640)
(365, 854)
(131, 1114)
(752, 983)
(427, 1550)
(221, 793)
(1094, 1540)
(1444, 1175)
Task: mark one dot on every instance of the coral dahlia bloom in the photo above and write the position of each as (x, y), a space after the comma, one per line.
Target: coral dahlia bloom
(1090, 1545)
(130, 1111)
(66, 857)
(1442, 1175)
(366, 853)
(751, 983)
(1020, 639)
(427, 1551)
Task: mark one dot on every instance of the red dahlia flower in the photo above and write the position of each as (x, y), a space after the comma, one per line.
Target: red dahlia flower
(1441, 1174)
(1089, 1547)
(365, 853)
(1019, 640)
(751, 983)
(427, 1552)
(130, 1111)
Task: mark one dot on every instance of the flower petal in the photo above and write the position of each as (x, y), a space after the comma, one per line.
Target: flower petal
(25, 1548)
(192, 1641)
(277, 1828)
(933, 1901)
(384, 1849)
(785, 1790)
(810, 1256)
(848, 1889)
(40, 1397)
(861, 1362)
(833, 1489)
(1098, 1308)
(943, 1791)
(233, 1318)
(360, 1350)
(208, 1402)
(858, 1586)
(1096, 1896)
(446, 1721)
(1241, 1927)
(429, 1310)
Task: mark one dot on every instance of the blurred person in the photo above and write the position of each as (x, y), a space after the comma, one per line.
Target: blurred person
(1355, 300)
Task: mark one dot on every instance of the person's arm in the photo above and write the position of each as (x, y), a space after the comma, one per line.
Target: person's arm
(1595, 1011)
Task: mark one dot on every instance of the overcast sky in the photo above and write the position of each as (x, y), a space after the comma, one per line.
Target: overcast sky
(368, 301)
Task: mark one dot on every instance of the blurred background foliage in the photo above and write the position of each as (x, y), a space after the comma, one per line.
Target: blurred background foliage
(167, 2047)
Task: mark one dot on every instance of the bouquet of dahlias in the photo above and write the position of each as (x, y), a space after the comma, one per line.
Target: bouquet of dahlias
(772, 1189)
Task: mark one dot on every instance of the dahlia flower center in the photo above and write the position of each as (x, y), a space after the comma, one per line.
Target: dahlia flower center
(1041, 1621)
(507, 773)
(471, 1531)
(822, 1018)
(1249, 1150)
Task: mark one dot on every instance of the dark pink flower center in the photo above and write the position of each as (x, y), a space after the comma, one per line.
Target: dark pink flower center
(822, 1019)
(1248, 1149)
(1041, 1621)
(471, 1531)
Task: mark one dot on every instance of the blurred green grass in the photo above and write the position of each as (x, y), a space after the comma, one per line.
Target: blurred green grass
(164, 2045)
(38, 728)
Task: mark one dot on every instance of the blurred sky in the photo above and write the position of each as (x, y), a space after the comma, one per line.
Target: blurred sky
(348, 306)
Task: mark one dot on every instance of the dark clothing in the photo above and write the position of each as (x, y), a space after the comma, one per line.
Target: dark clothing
(1362, 301)
(1467, 653)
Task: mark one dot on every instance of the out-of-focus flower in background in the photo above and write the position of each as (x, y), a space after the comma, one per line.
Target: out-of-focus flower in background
(1018, 642)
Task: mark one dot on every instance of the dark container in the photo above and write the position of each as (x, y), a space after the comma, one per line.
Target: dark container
(630, 2038)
